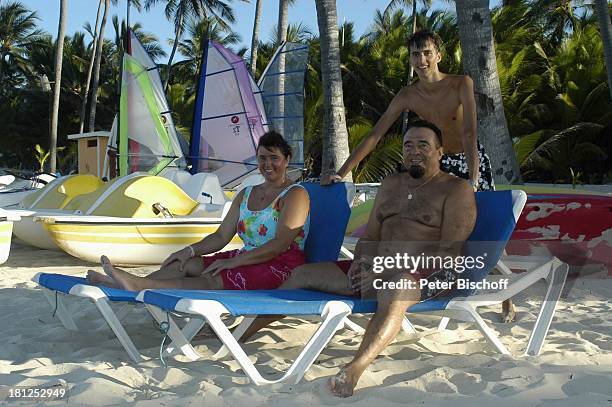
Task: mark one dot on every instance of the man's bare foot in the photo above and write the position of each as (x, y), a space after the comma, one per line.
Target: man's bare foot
(125, 280)
(508, 312)
(343, 383)
(95, 278)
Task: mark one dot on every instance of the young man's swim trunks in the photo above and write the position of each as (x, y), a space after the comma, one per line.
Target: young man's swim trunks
(456, 164)
(427, 292)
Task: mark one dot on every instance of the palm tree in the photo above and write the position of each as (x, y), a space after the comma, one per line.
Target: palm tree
(18, 33)
(179, 12)
(255, 38)
(605, 29)
(96, 71)
(478, 52)
(59, 54)
(335, 135)
(90, 70)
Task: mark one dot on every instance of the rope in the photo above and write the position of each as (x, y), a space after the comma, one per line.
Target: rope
(164, 327)
(55, 309)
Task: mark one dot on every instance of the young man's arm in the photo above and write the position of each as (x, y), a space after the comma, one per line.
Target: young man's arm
(395, 108)
(470, 138)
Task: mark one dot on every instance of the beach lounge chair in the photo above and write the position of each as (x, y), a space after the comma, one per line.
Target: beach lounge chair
(497, 214)
(329, 206)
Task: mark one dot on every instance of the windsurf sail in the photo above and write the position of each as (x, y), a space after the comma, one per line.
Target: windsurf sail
(147, 137)
(282, 86)
(228, 121)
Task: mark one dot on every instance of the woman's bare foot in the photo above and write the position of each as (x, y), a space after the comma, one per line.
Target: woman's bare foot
(124, 279)
(343, 383)
(95, 278)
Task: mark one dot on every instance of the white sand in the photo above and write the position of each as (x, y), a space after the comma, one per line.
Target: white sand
(453, 368)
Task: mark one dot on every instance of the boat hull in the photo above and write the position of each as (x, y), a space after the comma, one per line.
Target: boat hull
(130, 244)
(6, 228)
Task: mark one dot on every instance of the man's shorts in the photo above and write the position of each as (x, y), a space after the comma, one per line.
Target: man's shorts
(456, 164)
(442, 276)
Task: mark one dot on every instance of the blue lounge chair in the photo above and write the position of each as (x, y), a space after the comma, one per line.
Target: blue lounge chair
(497, 214)
(334, 199)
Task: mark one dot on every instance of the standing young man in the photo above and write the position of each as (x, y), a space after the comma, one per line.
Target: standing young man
(442, 99)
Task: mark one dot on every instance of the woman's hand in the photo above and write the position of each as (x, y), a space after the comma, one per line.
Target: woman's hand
(219, 265)
(181, 256)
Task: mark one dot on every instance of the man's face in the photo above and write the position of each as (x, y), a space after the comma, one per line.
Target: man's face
(425, 60)
(422, 151)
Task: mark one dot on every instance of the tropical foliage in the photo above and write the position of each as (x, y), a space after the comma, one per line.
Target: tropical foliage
(549, 58)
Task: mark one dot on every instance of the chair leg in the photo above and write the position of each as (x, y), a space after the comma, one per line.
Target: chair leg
(61, 311)
(179, 341)
(117, 328)
(443, 324)
(346, 252)
(407, 326)
(353, 326)
(485, 329)
(556, 280)
(238, 332)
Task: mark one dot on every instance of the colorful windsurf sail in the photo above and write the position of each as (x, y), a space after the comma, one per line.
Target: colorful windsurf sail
(147, 137)
(282, 85)
(228, 120)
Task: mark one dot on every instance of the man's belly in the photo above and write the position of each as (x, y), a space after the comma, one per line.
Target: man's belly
(404, 234)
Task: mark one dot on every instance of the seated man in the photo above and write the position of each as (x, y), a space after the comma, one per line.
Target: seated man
(420, 211)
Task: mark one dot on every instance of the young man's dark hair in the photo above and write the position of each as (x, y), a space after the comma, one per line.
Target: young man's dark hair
(428, 125)
(274, 139)
(420, 38)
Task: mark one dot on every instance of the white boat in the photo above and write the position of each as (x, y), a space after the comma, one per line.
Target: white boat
(149, 218)
(6, 228)
(19, 189)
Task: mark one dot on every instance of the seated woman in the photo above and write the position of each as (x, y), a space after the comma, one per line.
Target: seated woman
(271, 219)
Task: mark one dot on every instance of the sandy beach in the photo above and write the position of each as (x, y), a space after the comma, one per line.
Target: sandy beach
(455, 367)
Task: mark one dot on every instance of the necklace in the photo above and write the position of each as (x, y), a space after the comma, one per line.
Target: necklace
(414, 190)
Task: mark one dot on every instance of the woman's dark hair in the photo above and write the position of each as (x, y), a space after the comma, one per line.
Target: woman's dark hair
(274, 139)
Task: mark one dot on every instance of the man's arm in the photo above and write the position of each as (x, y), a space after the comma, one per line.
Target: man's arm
(470, 137)
(458, 218)
(395, 108)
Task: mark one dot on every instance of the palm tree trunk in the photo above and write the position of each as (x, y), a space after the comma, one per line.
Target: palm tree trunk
(335, 135)
(283, 22)
(96, 74)
(59, 54)
(89, 71)
(410, 69)
(605, 28)
(177, 38)
(255, 39)
(476, 35)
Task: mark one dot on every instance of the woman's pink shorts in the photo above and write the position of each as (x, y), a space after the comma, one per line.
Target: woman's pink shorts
(263, 276)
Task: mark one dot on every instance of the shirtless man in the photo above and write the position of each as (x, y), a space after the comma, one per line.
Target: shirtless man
(446, 101)
(442, 99)
(412, 209)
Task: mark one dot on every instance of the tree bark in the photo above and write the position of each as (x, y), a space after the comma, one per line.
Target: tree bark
(283, 22)
(335, 134)
(605, 29)
(96, 74)
(89, 71)
(476, 35)
(255, 38)
(177, 37)
(59, 54)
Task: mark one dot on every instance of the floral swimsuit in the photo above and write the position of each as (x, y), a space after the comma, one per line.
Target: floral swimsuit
(256, 228)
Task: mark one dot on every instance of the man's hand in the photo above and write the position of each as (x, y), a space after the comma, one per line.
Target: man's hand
(360, 274)
(330, 179)
(181, 256)
(219, 265)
